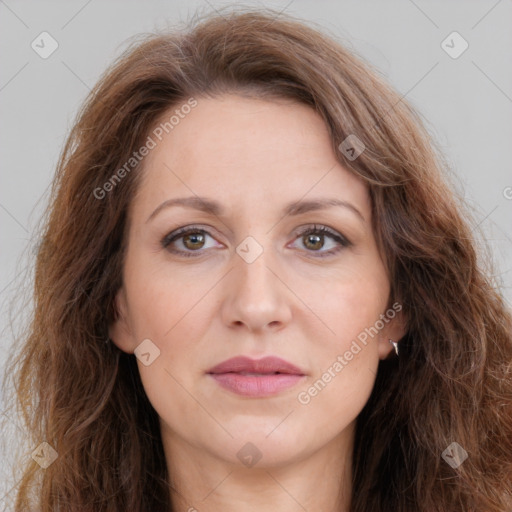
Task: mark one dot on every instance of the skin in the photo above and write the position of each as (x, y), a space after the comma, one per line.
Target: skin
(254, 157)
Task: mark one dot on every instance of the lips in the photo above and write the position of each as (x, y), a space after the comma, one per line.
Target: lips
(266, 366)
(256, 377)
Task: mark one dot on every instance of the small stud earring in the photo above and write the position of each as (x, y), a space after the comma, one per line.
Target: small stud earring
(395, 345)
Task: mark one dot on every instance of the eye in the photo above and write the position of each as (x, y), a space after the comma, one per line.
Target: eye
(313, 239)
(188, 240)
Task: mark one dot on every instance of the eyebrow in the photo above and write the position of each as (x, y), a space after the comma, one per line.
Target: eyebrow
(212, 207)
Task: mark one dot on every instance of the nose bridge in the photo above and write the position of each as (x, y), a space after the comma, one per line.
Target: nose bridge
(256, 295)
(253, 279)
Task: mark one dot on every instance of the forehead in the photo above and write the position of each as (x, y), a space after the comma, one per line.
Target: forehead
(243, 149)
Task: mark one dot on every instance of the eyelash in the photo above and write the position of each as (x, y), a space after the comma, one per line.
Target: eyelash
(323, 230)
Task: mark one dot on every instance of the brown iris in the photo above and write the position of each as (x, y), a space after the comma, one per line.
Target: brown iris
(196, 240)
(317, 241)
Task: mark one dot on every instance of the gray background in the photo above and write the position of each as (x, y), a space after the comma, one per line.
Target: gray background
(466, 102)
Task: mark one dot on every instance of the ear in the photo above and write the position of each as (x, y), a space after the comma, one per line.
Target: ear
(119, 330)
(394, 330)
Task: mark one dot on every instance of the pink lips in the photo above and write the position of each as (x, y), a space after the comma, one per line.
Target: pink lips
(256, 377)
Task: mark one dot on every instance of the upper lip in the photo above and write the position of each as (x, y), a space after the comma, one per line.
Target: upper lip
(269, 365)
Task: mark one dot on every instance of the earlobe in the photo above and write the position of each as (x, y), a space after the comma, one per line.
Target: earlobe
(119, 330)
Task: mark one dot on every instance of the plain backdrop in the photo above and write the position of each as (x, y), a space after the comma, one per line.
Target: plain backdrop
(465, 101)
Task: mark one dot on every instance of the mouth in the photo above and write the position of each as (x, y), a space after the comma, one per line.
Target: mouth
(256, 385)
(268, 365)
(258, 374)
(256, 378)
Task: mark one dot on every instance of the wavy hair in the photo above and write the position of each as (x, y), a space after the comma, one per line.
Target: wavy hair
(453, 379)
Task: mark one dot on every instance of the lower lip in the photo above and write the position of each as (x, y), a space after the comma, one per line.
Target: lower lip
(256, 386)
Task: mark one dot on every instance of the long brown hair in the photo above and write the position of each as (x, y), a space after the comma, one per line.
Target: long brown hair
(452, 381)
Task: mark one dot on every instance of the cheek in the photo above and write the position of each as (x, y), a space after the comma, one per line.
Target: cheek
(334, 399)
(346, 362)
(173, 314)
(347, 356)
(160, 302)
(349, 301)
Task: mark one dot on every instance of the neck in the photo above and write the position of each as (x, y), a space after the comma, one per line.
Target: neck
(321, 481)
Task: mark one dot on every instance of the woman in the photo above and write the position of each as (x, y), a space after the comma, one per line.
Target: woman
(255, 291)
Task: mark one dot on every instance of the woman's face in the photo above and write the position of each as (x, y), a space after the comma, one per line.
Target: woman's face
(253, 277)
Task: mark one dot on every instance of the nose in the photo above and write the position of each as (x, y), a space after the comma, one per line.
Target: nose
(256, 296)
